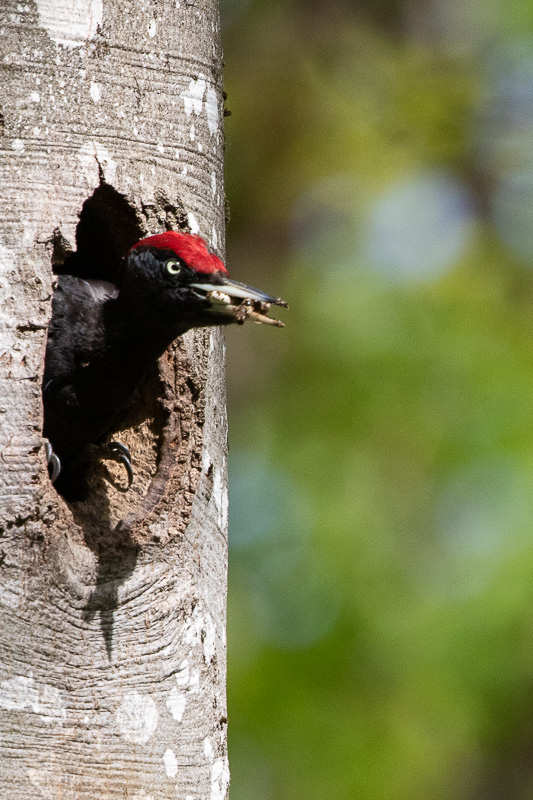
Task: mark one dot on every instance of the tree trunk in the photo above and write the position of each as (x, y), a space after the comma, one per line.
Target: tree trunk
(112, 644)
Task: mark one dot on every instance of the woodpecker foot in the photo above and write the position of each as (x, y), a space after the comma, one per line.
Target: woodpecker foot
(54, 464)
(115, 451)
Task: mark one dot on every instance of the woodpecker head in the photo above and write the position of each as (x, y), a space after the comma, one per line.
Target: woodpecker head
(176, 277)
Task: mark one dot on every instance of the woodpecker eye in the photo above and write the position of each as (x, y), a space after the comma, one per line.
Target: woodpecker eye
(173, 266)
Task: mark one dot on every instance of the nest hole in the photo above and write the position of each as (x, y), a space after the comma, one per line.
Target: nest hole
(108, 226)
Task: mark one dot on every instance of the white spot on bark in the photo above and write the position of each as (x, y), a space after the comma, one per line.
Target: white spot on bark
(160, 149)
(220, 496)
(213, 183)
(35, 97)
(176, 704)
(136, 718)
(214, 238)
(152, 28)
(208, 748)
(193, 100)
(95, 91)
(219, 779)
(21, 694)
(201, 631)
(192, 133)
(209, 639)
(193, 97)
(211, 107)
(192, 630)
(70, 22)
(194, 684)
(206, 458)
(193, 223)
(171, 763)
(17, 145)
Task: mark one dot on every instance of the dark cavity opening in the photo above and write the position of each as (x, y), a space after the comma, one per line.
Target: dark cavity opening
(108, 227)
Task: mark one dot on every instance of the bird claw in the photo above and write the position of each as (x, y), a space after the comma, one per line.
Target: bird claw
(53, 462)
(113, 451)
(118, 452)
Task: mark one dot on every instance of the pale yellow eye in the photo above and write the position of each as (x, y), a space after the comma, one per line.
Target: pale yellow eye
(173, 267)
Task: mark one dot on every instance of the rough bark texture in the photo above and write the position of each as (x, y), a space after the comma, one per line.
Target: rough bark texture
(112, 649)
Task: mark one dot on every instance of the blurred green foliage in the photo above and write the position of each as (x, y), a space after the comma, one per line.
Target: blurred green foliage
(380, 178)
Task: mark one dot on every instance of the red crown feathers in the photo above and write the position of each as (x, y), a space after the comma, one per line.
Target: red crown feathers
(190, 248)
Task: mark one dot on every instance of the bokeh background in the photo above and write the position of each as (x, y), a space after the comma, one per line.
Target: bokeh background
(380, 178)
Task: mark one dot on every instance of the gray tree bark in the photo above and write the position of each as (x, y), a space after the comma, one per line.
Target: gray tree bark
(112, 644)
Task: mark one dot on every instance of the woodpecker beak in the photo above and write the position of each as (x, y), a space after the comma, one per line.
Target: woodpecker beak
(231, 298)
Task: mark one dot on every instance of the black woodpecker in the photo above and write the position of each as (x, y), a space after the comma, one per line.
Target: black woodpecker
(103, 338)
